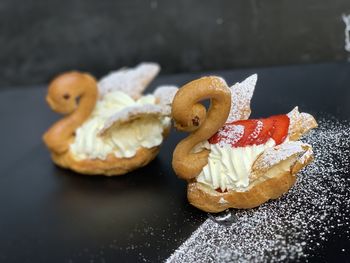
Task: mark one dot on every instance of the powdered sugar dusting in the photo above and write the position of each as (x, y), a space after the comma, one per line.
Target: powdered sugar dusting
(133, 112)
(306, 156)
(294, 115)
(131, 81)
(275, 155)
(300, 123)
(165, 96)
(241, 95)
(294, 226)
(257, 130)
(217, 82)
(230, 134)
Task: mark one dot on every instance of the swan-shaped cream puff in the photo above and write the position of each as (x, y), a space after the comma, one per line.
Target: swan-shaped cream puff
(228, 160)
(110, 128)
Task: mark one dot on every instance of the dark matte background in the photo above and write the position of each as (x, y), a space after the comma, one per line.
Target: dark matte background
(39, 38)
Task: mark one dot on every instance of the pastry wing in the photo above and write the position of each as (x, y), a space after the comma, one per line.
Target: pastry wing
(288, 157)
(132, 81)
(131, 113)
(241, 95)
(300, 124)
(165, 96)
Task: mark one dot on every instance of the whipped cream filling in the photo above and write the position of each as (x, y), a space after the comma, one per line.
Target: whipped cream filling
(229, 168)
(125, 139)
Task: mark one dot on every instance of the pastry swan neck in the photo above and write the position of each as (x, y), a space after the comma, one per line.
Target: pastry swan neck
(63, 95)
(189, 115)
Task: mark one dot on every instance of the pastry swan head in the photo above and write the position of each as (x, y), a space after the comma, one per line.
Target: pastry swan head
(63, 95)
(65, 90)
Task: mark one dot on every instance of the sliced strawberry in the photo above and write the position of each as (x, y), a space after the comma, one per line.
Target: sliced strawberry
(229, 134)
(256, 131)
(266, 132)
(251, 130)
(281, 126)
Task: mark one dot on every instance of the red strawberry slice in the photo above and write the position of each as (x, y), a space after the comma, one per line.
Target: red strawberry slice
(281, 126)
(229, 134)
(253, 132)
(266, 132)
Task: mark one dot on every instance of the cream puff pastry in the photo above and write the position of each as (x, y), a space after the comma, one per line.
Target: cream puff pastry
(228, 160)
(110, 128)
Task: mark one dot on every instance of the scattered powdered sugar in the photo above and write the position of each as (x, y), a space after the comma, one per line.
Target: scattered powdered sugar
(230, 134)
(294, 226)
(241, 95)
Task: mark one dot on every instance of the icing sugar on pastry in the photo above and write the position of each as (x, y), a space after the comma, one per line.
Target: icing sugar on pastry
(241, 95)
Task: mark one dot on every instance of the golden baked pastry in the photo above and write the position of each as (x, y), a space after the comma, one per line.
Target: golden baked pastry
(110, 128)
(228, 160)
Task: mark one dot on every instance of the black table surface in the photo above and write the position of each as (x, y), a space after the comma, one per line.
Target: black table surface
(48, 214)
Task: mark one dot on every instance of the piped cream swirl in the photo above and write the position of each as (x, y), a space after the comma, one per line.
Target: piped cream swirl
(229, 168)
(124, 140)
